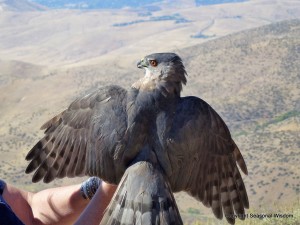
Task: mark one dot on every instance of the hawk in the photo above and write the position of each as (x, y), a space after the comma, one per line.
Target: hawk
(149, 141)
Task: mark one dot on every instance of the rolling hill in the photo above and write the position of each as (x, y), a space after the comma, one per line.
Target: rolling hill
(109, 4)
(60, 37)
(239, 59)
(20, 6)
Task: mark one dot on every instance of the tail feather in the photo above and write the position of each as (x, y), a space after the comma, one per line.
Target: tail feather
(143, 198)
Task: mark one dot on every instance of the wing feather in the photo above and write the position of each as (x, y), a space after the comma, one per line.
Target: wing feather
(74, 153)
(225, 195)
(216, 198)
(70, 147)
(209, 158)
(64, 164)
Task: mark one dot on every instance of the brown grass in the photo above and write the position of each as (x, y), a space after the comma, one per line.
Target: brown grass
(251, 78)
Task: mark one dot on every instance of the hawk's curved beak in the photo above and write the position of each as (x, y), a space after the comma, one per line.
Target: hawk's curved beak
(141, 64)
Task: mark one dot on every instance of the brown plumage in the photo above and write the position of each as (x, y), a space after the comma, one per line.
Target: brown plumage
(149, 140)
(143, 197)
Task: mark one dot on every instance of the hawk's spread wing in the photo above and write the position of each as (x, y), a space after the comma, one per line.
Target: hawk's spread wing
(204, 158)
(80, 140)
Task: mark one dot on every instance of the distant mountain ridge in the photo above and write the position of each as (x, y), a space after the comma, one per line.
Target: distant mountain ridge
(212, 2)
(97, 4)
(115, 4)
(20, 5)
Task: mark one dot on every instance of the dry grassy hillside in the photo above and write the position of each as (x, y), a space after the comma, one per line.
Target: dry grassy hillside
(60, 37)
(251, 78)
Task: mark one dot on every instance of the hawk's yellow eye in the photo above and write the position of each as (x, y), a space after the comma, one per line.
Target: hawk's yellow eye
(153, 63)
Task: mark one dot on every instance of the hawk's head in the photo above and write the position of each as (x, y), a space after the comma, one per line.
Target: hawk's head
(165, 69)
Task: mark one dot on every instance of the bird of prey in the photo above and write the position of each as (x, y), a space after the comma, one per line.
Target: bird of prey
(151, 142)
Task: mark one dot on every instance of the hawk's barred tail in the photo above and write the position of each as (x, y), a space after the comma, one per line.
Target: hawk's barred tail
(143, 197)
